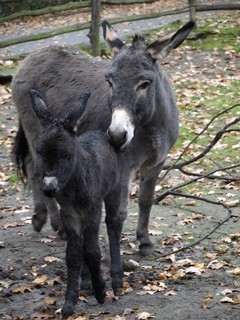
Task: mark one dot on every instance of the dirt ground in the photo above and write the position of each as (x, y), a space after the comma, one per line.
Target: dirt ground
(201, 283)
(33, 272)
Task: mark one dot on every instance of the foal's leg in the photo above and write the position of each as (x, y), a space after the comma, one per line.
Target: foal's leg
(74, 259)
(86, 280)
(53, 210)
(92, 253)
(145, 200)
(116, 211)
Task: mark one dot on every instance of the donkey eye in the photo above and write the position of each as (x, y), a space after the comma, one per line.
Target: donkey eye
(110, 83)
(65, 155)
(143, 85)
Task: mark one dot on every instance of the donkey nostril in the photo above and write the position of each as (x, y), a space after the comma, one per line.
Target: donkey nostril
(49, 186)
(124, 137)
(117, 139)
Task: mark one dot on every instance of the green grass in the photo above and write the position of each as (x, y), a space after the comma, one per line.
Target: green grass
(219, 33)
(14, 178)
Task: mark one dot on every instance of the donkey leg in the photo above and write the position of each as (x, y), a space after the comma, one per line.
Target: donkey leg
(74, 260)
(86, 280)
(53, 209)
(39, 217)
(92, 254)
(42, 204)
(116, 212)
(145, 200)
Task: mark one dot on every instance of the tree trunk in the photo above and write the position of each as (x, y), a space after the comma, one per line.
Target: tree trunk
(94, 33)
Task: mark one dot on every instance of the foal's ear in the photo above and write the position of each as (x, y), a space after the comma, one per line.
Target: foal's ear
(39, 107)
(111, 38)
(77, 111)
(161, 48)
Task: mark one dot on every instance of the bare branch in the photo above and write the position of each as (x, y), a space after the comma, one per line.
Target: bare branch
(209, 147)
(220, 223)
(210, 175)
(199, 177)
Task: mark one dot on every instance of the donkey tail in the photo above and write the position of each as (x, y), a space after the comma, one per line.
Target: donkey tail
(20, 151)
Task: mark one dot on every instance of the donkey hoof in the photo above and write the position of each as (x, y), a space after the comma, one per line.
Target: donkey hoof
(100, 296)
(146, 249)
(86, 285)
(101, 299)
(117, 292)
(37, 223)
(55, 226)
(67, 311)
(62, 234)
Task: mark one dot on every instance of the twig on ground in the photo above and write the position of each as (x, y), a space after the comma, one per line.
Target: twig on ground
(220, 223)
(209, 147)
(198, 176)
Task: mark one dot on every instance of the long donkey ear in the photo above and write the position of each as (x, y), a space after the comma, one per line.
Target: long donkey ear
(40, 109)
(111, 38)
(161, 48)
(72, 117)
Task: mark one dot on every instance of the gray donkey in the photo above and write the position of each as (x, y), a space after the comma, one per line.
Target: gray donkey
(80, 172)
(132, 99)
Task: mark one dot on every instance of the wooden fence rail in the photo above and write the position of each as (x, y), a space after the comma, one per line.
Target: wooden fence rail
(193, 8)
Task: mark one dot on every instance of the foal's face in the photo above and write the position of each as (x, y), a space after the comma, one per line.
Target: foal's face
(56, 149)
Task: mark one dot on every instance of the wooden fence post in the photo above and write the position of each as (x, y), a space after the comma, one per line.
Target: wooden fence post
(95, 32)
(192, 9)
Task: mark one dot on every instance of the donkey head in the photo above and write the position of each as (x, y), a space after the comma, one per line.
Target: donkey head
(56, 146)
(133, 78)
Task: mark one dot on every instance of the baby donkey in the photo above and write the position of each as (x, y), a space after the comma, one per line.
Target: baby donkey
(81, 172)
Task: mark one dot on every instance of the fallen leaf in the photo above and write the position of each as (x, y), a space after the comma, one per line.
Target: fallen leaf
(207, 298)
(212, 256)
(226, 300)
(226, 291)
(22, 289)
(235, 271)
(194, 270)
(13, 224)
(46, 240)
(52, 259)
(155, 232)
(180, 273)
(43, 314)
(50, 301)
(40, 280)
(189, 203)
(144, 316)
(5, 284)
(183, 262)
(170, 293)
(215, 265)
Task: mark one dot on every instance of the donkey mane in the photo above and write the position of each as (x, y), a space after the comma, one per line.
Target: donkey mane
(138, 41)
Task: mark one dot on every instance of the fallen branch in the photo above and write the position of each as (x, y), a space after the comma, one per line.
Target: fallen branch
(209, 175)
(217, 137)
(220, 223)
(199, 177)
